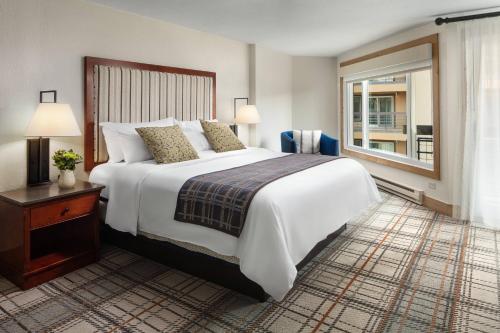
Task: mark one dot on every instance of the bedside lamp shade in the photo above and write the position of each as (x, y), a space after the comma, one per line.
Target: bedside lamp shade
(49, 120)
(247, 114)
(53, 119)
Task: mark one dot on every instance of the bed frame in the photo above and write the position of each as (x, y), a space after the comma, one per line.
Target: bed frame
(199, 264)
(123, 91)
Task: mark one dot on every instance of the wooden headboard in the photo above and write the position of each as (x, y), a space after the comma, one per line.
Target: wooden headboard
(123, 91)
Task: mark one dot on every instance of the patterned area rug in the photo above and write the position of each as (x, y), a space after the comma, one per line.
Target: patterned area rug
(398, 268)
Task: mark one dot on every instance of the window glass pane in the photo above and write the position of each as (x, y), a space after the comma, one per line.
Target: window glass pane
(386, 105)
(357, 114)
(373, 110)
(388, 100)
(357, 107)
(421, 89)
(383, 145)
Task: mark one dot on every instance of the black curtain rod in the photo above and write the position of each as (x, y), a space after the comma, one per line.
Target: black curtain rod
(441, 20)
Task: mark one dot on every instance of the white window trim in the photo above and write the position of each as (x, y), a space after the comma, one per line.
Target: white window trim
(348, 121)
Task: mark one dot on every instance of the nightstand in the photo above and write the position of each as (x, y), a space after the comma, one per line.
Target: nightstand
(46, 232)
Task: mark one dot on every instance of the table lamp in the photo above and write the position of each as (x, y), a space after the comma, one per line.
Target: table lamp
(248, 114)
(49, 120)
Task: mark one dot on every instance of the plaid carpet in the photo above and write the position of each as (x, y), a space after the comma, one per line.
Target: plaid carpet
(398, 268)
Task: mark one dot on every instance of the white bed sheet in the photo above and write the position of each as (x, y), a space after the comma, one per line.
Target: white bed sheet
(286, 218)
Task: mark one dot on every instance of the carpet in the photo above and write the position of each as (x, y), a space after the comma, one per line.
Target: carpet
(398, 268)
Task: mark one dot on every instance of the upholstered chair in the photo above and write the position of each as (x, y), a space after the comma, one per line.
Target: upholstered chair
(328, 145)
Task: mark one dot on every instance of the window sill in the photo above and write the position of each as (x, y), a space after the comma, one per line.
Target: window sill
(422, 171)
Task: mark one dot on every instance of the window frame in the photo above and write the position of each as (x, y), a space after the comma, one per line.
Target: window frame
(386, 158)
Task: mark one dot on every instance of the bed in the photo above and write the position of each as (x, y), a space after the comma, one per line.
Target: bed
(289, 220)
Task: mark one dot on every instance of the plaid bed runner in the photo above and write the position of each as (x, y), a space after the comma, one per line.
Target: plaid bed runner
(220, 200)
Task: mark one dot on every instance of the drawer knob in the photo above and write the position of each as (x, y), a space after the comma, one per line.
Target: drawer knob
(65, 210)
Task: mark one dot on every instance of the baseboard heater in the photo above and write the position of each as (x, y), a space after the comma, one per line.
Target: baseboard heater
(414, 195)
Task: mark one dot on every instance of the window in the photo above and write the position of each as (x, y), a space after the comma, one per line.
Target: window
(381, 111)
(383, 145)
(389, 111)
(397, 106)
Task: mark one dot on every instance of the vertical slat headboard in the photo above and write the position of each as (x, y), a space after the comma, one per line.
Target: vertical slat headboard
(130, 92)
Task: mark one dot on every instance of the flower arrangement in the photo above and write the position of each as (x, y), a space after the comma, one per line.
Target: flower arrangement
(66, 160)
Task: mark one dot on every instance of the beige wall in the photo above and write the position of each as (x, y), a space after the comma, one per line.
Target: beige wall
(41, 47)
(315, 94)
(449, 89)
(271, 91)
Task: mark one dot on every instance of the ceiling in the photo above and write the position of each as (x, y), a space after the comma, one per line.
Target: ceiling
(299, 27)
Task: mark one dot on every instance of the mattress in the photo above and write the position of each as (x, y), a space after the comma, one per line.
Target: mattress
(286, 218)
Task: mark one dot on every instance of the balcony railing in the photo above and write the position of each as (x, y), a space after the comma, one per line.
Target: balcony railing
(394, 122)
(389, 80)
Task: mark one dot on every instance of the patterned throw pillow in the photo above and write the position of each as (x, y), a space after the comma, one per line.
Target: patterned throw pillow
(221, 137)
(167, 144)
(307, 141)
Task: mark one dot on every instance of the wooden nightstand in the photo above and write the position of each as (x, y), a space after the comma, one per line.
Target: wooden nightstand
(46, 232)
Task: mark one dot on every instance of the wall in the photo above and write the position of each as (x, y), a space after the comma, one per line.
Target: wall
(315, 94)
(271, 91)
(450, 95)
(42, 44)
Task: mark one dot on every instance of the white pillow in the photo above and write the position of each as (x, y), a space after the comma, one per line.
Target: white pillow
(113, 146)
(307, 142)
(113, 141)
(194, 132)
(133, 147)
(197, 139)
(191, 124)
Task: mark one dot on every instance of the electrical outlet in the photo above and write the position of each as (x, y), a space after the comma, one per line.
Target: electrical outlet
(432, 186)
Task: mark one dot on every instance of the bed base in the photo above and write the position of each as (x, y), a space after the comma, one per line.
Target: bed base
(198, 264)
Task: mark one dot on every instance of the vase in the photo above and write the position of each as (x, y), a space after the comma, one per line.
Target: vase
(66, 179)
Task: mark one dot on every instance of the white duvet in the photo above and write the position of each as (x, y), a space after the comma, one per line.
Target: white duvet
(286, 219)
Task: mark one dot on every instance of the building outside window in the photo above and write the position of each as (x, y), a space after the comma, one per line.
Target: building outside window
(386, 112)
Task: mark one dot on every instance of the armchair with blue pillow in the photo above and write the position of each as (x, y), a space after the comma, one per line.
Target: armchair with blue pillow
(328, 145)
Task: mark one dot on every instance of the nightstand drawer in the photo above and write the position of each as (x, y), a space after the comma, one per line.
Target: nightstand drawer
(62, 211)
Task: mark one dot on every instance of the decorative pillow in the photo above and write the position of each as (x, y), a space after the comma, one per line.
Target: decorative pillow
(307, 142)
(112, 130)
(221, 137)
(167, 144)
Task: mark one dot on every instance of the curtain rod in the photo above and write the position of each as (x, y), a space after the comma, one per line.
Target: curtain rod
(441, 20)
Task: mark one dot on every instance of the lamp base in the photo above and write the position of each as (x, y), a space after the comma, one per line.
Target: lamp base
(38, 161)
(234, 128)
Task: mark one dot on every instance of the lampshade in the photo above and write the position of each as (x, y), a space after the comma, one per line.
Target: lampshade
(247, 114)
(53, 119)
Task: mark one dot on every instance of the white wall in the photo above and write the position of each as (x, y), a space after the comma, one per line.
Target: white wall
(271, 91)
(315, 94)
(450, 95)
(42, 45)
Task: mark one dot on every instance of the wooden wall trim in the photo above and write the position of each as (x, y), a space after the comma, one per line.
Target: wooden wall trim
(438, 206)
(436, 172)
(90, 62)
(431, 39)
